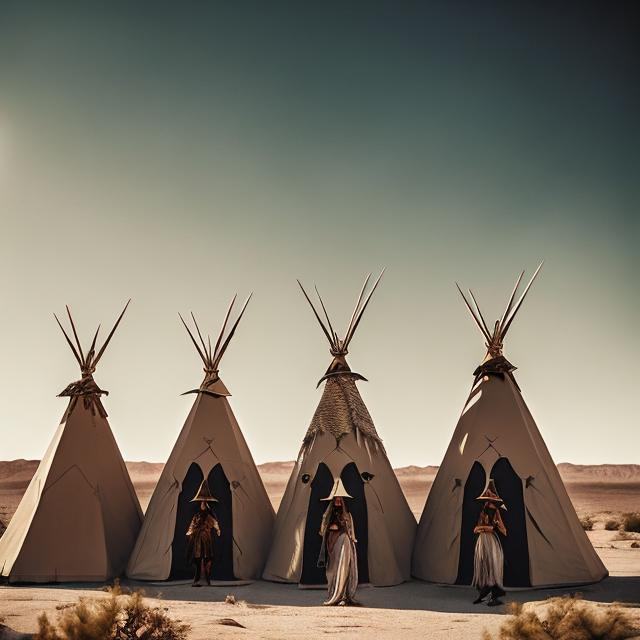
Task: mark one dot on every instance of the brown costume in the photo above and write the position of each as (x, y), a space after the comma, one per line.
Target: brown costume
(200, 543)
(199, 532)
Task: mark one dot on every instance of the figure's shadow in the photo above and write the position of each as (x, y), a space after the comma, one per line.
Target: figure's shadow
(414, 595)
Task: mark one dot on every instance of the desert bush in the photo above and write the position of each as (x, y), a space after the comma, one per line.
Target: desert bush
(566, 618)
(631, 522)
(612, 525)
(587, 523)
(623, 535)
(115, 617)
(635, 545)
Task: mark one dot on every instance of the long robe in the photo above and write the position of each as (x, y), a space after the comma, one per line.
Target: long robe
(342, 568)
(488, 562)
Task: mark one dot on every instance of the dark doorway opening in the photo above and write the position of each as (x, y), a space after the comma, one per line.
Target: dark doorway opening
(223, 545)
(181, 568)
(320, 488)
(354, 485)
(515, 544)
(473, 487)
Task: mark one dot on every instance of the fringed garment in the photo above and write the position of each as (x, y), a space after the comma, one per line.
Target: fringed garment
(488, 562)
(200, 545)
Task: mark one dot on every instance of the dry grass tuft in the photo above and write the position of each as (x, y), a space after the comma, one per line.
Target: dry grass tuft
(631, 522)
(115, 617)
(117, 589)
(612, 525)
(566, 618)
(587, 523)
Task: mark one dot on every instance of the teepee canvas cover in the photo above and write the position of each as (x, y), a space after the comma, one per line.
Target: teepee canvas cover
(210, 446)
(79, 517)
(497, 438)
(342, 442)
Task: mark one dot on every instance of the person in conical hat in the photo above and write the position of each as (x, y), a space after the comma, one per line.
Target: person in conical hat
(488, 565)
(338, 552)
(200, 542)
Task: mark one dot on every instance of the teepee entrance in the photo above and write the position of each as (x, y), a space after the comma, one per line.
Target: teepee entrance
(181, 568)
(514, 544)
(321, 487)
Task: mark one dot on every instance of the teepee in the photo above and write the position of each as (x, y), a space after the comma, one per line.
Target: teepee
(342, 443)
(497, 439)
(210, 447)
(79, 517)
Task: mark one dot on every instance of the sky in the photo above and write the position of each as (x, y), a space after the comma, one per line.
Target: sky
(178, 153)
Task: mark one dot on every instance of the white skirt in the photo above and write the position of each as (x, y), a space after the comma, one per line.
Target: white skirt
(488, 562)
(342, 572)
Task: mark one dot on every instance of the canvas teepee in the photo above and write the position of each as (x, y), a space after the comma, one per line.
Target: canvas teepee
(210, 447)
(79, 517)
(497, 438)
(342, 443)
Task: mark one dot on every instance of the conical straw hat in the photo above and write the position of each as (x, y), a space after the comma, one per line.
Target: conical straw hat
(490, 492)
(338, 491)
(204, 494)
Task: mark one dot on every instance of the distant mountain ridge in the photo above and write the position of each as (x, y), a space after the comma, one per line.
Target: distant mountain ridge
(17, 472)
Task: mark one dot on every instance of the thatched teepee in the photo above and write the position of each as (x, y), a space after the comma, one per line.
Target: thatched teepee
(342, 442)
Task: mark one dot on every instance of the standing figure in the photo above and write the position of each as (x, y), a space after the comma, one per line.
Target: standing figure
(488, 563)
(200, 542)
(339, 545)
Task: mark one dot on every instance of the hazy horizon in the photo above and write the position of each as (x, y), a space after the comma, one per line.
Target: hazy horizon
(177, 156)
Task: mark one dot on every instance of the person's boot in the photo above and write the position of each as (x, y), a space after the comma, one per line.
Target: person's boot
(207, 568)
(498, 592)
(494, 600)
(196, 578)
(484, 592)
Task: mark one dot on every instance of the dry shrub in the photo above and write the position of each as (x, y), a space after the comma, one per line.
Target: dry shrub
(631, 522)
(116, 617)
(587, 523)
(566, 618)
(635, 545)
(612, 525)
(623, 535)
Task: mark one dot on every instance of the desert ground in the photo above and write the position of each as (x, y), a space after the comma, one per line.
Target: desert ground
(413, 610)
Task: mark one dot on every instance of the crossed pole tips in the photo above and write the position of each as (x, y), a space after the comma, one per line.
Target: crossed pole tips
(89, 362)
(502, 325)
(211, 357)
(342, 346)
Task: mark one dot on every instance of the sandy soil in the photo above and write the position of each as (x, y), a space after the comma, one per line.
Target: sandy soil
(413, 610)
